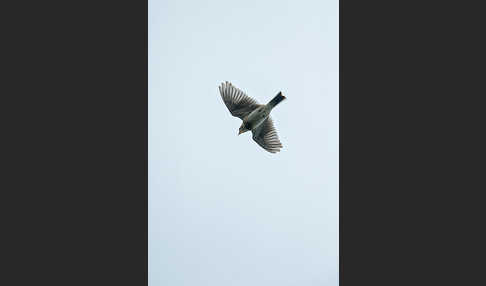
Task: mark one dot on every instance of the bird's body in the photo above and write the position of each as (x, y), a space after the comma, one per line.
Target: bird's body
(256, 117)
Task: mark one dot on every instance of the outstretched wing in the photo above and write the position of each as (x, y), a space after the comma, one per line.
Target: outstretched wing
(266, 136)
(238, 103)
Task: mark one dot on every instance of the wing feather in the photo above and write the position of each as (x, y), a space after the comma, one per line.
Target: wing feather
(238, 103)
(266, 136)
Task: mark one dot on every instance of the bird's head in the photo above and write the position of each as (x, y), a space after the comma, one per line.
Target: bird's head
(242, 129)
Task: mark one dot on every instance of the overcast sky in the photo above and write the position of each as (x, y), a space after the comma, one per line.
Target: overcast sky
(222, 210)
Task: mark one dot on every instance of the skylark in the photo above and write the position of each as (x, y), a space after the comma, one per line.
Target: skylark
(256, 117)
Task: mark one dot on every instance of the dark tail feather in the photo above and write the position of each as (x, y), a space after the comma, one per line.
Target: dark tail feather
(276, 100)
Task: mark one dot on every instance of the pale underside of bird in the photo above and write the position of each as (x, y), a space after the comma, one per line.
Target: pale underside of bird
(255, 116)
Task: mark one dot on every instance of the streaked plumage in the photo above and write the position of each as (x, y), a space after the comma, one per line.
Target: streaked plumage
(255, 116)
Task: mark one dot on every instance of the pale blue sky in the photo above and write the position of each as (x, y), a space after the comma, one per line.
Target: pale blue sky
(223, 211)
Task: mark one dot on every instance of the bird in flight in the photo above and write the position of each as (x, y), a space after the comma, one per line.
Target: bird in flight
(255, 116)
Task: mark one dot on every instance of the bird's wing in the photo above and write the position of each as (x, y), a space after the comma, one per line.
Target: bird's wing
(238, 103)
(266, 136)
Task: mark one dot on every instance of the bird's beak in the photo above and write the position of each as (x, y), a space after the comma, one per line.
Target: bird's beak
(239, 132)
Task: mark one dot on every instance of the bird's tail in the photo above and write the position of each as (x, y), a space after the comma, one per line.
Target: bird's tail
(276, 100)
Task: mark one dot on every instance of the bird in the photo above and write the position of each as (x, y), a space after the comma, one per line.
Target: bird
(255, 116)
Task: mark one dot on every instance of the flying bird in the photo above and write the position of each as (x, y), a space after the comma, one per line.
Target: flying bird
(255, 116)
